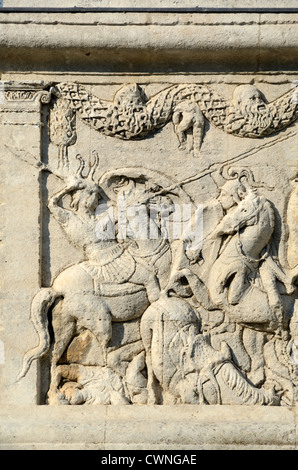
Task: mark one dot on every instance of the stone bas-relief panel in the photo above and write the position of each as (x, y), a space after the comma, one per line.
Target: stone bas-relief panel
(168, 238)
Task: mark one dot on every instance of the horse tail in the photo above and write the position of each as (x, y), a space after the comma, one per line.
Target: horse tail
(40, 305)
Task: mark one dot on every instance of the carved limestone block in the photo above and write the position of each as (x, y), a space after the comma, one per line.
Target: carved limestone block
(157, 267)
(148, 213)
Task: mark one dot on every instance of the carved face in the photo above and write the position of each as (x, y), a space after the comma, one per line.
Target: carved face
(230, 194)
(88, 197)
(248, 98)
(93, 198)
(129, 96)
(226, 199)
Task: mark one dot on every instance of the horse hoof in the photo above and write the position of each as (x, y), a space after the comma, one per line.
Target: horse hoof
(151, 399)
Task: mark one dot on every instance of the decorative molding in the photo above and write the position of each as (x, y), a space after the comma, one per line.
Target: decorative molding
(26, 91)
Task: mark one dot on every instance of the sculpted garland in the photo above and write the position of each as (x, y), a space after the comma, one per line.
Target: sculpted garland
(209, 321)
(129, 116)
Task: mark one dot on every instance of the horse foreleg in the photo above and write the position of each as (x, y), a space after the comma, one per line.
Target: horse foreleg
(147, 336)
(95, 315)
(151, 381)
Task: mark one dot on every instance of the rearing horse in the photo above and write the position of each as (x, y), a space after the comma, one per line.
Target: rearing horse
(112, 284)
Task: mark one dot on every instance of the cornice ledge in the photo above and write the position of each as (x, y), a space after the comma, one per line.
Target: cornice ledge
(92, 40)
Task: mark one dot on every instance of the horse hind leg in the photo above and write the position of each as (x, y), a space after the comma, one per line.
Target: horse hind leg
(64, 330)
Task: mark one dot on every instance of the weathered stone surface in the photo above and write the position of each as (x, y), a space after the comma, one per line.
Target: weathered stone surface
(149, 230)
(149, 4)
(153, 427)
(127, 42)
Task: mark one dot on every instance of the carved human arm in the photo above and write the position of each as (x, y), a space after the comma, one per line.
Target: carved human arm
(227, 226)
(241, 216)
(61, 214)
